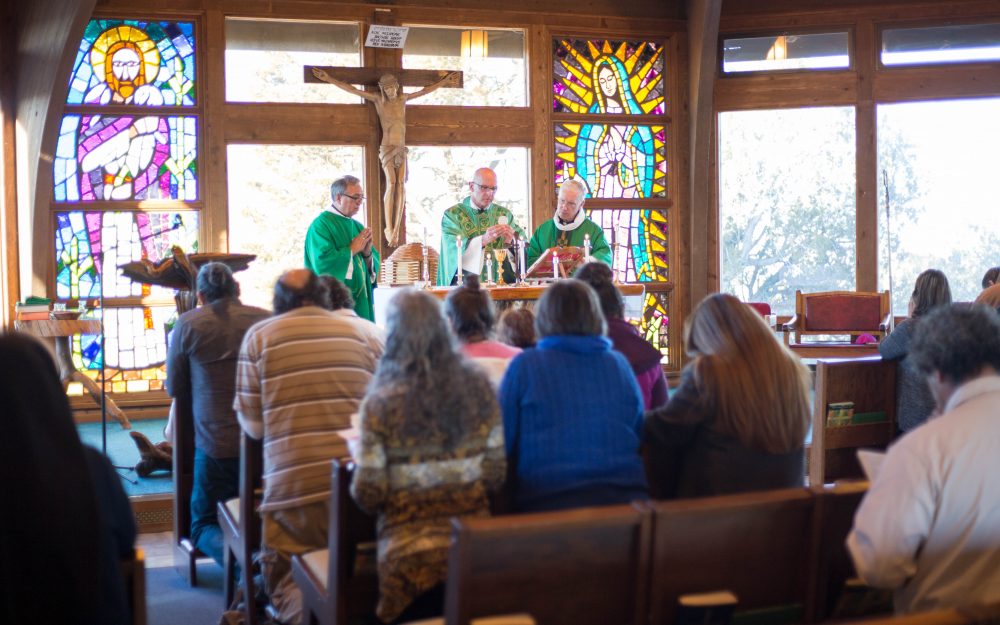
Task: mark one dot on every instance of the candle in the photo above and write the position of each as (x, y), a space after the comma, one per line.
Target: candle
(555, 265)
(458, 272)
(520, 259)
(586, 248)
(489, 268)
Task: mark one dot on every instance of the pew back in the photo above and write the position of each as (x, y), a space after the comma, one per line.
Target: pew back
(586, 566)
(835, 508)
(870, 383)
(755, 545)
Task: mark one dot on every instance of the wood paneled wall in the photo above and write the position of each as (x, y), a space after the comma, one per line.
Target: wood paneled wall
(9, 278)
(48, 33)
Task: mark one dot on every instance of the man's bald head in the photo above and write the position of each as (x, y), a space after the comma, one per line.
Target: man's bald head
(483, 187)
(297, 288)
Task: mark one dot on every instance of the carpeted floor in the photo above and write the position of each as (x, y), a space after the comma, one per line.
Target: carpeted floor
(170, 601)
(123, 453)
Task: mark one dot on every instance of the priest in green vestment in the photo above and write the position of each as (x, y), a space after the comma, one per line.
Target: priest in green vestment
(569, 226)
(479, 226)
(337, 245)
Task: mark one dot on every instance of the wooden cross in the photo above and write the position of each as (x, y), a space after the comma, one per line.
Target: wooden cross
(390, 104)
(369, 76)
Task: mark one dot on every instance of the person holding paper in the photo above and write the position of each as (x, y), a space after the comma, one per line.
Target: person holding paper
(929, 526)
(474, 226)
(338, 245)
(570, 226)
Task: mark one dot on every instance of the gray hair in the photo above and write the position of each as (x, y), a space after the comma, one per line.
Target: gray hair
(957, 341)
(215, 281)
(418, 340)
(339, 186)
(577, 184)
(440, 395)
(569, 307)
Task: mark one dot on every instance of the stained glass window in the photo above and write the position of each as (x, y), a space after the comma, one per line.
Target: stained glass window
(82, 237)
(610, 131)
(135, 343)
(615, 161)
(638, 240)
(134, 62)
(107, 157)
(605, 77)
(654, 324)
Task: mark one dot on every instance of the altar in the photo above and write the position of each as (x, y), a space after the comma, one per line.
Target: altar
(507, 297)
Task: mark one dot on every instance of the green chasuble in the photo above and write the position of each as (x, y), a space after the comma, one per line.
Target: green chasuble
(328, 252)
(464, 220)
(548, 236)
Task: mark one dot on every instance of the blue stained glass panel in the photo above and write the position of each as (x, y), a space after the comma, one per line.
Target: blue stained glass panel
(145, 63)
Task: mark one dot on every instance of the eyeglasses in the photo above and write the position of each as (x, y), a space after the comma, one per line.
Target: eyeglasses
(356, 198)
(485, 187)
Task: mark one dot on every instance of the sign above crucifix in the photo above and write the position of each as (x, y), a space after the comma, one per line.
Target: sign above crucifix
(390, 104)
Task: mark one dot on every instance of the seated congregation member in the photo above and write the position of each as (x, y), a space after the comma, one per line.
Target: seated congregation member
(990, 297)
(991, 277)
(643, 357)
(471, 313)
(914, 402)
(301, 375)
(572, 410)
(738, 420)
(67, 524)
(201, 377)
(342, 305)
(425, 455)
(929, 526)
(516, 328)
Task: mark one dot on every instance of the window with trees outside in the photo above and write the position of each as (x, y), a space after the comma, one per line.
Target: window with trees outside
(107, 166)
(786, 203)
(610, 132)
(275, 191)
(942, 191)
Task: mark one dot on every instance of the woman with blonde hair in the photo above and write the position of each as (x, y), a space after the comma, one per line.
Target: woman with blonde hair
(738, 420)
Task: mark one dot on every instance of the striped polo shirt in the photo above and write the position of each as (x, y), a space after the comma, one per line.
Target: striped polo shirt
(301, 375)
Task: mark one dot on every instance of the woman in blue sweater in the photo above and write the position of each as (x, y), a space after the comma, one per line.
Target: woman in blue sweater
(572, 411)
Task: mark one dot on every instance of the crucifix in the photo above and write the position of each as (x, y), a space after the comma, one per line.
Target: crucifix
(390, 104)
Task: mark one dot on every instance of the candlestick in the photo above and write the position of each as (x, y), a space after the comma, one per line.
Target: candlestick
(458, 272)
(586, 248)
(521, 265)
(555, 266)
(489, 268)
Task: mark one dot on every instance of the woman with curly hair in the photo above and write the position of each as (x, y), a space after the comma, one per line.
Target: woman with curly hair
(431, 448)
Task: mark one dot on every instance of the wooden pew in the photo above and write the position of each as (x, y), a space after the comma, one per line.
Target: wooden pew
(976, 615)
(831, 562)
(758, 546)
(134, 576)
(871, 384)
(240, 523)
(332, 590)
(185, 553)
(587, 567)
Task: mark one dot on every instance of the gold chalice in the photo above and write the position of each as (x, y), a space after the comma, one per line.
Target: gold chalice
(500, 255)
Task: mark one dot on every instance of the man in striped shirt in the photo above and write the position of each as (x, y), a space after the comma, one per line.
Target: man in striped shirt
(300, 377)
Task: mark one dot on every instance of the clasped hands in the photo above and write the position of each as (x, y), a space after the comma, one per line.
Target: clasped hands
(362, 244)
(495, 232)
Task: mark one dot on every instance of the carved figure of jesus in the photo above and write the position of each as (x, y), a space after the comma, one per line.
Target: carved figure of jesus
(390, 104)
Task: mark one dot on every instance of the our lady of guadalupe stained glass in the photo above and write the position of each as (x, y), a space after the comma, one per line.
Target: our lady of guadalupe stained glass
(122, 155)
(610, 78)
